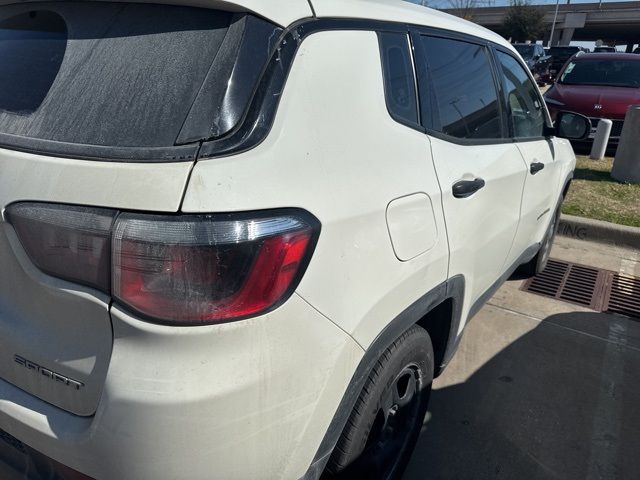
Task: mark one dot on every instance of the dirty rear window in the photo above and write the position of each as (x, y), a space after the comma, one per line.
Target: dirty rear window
(111, 74)
(32, 47)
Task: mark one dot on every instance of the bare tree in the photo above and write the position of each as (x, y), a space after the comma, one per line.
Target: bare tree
(466, 8)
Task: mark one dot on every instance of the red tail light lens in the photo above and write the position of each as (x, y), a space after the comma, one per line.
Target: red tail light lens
(179, 269)
(204, 269)
(66, 241)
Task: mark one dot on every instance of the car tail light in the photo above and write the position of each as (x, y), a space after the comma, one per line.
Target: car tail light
(206, 268)
(179, 269)
(66, 241)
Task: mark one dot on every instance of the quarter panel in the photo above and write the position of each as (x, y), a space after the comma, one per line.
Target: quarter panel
(335, 151)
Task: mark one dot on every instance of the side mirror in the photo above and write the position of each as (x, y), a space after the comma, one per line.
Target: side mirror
(572, 126)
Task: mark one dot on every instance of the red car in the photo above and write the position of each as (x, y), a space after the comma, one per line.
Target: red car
(598, 85)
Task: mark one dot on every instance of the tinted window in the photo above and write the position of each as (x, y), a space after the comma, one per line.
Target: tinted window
(106, 74)
(614, 73)
(32, 47)
(527, 51)
(523, 100)
(464, 94)
(399, 79)
(563, 51)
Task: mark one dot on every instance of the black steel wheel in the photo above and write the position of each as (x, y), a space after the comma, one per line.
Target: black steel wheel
(386, 421)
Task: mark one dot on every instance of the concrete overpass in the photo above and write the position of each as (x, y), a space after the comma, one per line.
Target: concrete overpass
(616, 22)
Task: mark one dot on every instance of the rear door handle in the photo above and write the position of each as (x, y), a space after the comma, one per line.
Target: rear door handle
(535, 167)
(466, 188)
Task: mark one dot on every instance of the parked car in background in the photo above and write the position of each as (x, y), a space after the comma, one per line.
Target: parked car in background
(598, 85)
(559, 56)
(240, 241)
(605, 49)
(536, 59)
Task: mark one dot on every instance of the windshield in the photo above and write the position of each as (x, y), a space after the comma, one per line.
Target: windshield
(525, 50)
(616, 73)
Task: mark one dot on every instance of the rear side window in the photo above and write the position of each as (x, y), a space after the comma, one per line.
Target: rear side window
(523, 100)
(124, 75)
(399, 80)
(463, 90)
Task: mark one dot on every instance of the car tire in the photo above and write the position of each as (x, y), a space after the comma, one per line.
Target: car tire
(539, 262)
(383, 428)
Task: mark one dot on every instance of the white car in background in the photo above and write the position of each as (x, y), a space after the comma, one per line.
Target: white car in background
(239, 239)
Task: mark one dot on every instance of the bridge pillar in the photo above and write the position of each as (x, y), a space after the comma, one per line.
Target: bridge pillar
(567, 35)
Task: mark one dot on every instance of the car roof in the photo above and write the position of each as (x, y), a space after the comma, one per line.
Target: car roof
(281, 12)
(608, 56)
(286, 12)
(403, 12)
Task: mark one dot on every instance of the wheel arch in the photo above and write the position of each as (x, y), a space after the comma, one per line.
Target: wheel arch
(567, 185)
(439, 312)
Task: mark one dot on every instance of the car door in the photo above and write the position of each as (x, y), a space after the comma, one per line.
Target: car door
(480, 170)
(527, 118)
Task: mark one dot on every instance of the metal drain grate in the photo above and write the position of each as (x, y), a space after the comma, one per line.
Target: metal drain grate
(594, 288)
(624, 296)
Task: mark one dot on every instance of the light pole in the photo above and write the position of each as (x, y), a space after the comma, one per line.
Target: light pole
(553, 25)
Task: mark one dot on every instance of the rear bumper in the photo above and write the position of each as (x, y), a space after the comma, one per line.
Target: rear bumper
(250, 399)
(19, 462)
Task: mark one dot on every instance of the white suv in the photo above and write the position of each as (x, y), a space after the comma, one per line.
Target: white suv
(239, 242)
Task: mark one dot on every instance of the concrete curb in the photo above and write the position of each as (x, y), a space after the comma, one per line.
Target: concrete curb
(598, 231)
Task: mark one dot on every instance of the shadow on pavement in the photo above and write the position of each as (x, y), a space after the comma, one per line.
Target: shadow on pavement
(560, 402)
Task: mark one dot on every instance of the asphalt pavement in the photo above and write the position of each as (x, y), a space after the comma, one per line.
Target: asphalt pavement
(539, 389)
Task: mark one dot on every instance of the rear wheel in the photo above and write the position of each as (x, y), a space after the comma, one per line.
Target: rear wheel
(379, 437)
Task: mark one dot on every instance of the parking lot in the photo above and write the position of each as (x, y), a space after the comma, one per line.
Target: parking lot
(539, 388)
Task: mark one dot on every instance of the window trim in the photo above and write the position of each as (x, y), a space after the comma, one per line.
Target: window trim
(409, 52)
(423, 71)
(547, 117)
(260, 116)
